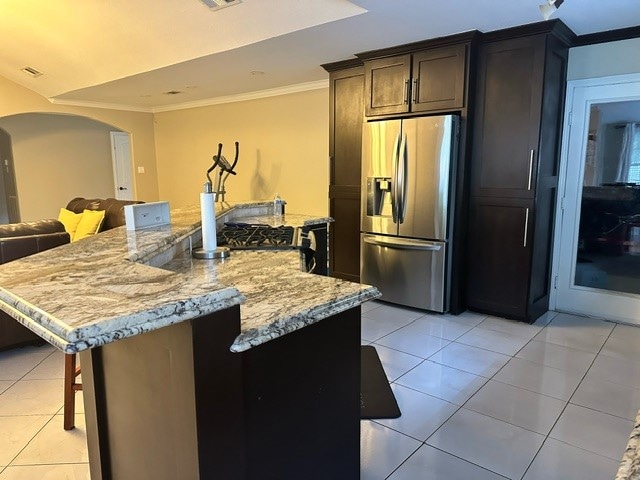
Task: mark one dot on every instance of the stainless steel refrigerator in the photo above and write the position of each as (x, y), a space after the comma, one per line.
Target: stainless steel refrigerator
(407, 170)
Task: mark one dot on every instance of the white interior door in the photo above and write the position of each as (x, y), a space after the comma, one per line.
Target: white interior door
(122, 165)
(597, 239)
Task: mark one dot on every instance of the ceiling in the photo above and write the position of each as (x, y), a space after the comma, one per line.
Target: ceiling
(129, 54)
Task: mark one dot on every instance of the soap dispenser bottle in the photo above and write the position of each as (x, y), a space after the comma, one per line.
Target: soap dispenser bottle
(278, 207)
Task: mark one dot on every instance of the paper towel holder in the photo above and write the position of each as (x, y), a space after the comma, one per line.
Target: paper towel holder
(218, 253)
(209, 221)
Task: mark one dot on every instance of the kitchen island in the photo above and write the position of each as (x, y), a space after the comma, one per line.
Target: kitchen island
(200, 369)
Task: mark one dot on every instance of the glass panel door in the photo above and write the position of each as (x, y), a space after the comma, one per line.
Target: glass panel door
(608, 249)
(597, 263)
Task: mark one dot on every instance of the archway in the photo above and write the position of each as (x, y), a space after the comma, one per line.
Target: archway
(58, 157)
(9, 210)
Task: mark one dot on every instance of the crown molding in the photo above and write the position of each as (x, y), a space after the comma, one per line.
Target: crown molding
(105, 106)
(240, 97)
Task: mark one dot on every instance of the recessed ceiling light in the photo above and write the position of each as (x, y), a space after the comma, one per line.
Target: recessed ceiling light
(31, 71)
(217, 4)
(172, 92)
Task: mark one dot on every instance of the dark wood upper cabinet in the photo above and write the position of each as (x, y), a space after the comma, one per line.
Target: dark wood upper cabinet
(424, 81)
(387, 85)
(438, 79)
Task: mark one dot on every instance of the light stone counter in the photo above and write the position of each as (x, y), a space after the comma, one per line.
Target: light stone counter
(280, 298)
(630, 464)
(107, 287)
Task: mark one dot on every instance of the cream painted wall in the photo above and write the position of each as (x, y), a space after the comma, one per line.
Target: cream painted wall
(283, 148)
(15, 99)
(604, 59)
(56, 158)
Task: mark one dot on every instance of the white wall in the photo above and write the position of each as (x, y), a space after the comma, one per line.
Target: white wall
(57, 158)
(605, 59)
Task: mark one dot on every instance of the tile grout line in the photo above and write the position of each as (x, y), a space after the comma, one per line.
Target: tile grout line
(43, 426)
(566, 405)
(462, 406)
(29, 442)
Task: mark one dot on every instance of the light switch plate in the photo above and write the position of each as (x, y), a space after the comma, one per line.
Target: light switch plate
(143, 215)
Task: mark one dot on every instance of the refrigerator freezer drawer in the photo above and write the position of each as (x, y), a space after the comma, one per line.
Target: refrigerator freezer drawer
(406, 271)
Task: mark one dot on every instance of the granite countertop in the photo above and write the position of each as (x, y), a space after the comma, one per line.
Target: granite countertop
(630, 464)
(280, 297)
(107, 287)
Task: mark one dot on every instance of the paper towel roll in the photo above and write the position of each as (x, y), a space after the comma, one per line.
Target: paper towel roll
(208, 216)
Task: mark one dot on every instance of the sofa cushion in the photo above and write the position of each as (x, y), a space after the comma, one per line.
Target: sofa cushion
(70, 220)
(90, 223)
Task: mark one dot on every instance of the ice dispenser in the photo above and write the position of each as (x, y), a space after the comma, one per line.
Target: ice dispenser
(378, 196)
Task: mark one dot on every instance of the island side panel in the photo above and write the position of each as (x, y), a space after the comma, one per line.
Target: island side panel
(302, 397)
(144, 419)
(219, 397)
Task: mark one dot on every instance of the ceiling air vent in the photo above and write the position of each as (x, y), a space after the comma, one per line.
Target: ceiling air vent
(31, 71)
(217, 4)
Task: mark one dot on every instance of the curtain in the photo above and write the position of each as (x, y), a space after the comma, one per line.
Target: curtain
(629, 162)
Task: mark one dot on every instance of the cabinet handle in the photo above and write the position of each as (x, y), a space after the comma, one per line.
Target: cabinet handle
(531, 154)
(526, 226)
(406, 91)
(415, 90)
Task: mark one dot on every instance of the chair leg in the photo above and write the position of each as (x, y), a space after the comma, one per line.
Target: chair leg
(69, 391)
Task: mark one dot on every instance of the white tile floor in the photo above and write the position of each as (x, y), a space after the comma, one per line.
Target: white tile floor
(488, 398)
(482, 398)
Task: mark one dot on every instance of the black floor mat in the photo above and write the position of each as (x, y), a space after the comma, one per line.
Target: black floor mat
(376, 397)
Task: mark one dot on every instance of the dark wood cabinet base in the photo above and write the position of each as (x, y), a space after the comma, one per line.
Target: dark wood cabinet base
(177, 404)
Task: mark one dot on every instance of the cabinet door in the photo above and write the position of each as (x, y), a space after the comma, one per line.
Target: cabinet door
(387, 85)
(438, 79)
(508, 118)
(499, 256)
(344, 234)
(345, 149)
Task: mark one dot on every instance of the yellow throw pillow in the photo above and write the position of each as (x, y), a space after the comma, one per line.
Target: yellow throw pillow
(89, 224)
(70, 221)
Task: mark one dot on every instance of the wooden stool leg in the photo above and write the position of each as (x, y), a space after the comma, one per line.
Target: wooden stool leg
(69, 391)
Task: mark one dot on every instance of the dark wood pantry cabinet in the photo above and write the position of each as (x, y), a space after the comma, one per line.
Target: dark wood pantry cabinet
(516, 145)
(346, 93)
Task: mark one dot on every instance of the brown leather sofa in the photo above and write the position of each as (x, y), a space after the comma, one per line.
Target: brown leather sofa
(19, 240)
(114, 209)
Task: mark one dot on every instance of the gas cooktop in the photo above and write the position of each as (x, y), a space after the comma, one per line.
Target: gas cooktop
(257, 236)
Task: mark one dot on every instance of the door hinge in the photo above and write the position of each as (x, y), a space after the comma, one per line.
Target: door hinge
(570, 118)
(562, 204)
(555, 282)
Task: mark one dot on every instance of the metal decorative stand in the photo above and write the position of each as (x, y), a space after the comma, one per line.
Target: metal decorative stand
(208, 198)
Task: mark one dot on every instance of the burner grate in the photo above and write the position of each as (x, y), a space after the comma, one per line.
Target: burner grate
(255, 236)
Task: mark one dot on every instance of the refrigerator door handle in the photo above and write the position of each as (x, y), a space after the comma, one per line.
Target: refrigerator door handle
(400, 243)
(394, 183)
(403, 159)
